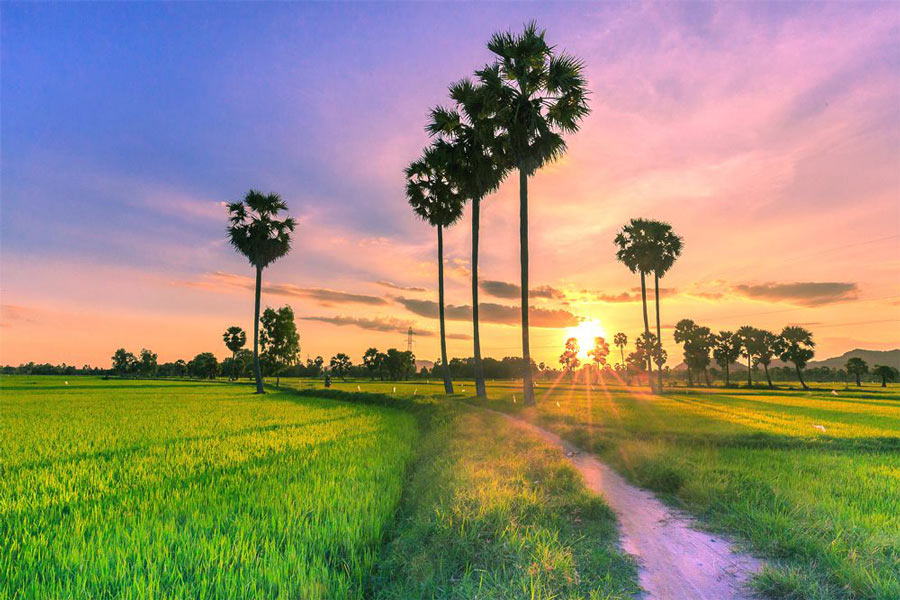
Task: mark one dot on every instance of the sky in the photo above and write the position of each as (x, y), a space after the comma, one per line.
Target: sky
(767, 134)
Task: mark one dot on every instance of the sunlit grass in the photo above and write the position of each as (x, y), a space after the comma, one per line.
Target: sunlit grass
(183, 490)
(810, 480)
(495, 513)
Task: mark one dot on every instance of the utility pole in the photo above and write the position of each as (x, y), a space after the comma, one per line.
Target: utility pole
(409, 340)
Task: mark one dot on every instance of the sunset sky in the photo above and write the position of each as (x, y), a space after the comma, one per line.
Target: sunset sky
(767, 134)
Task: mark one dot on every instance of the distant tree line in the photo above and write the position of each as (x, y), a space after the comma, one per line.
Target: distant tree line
(759, 347)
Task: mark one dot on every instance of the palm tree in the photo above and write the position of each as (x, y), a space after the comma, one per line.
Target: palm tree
(255, 232)
(621, 340)
(478, 168)
(234, 338)
(535, 96)
(436, 201)
(797, 347)
(726, 350)
(569, 358)
(599, 353)
(748, 337)
(666, 250)
(766, 348)
(857, 367)
(637, 253)
(647, 347)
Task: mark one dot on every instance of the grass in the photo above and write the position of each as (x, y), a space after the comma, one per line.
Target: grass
(187, 490)
(136, 489)
(823, 507)
(494, 513)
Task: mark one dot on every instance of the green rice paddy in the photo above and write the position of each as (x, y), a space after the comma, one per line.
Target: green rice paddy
(137, 489)
(186, 490)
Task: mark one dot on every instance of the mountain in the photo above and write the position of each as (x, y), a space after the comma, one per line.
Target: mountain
(429, 364)
(872, 358)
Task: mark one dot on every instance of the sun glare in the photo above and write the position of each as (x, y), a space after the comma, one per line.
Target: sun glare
(585, 332)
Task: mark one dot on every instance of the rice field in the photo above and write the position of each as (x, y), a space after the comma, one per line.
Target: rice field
(116, 489)
(135, 489)
(808, 480)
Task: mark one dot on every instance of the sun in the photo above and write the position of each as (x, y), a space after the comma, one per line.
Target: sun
(585, 332)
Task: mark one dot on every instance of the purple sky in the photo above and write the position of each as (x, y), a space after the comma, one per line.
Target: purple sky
(767, 134)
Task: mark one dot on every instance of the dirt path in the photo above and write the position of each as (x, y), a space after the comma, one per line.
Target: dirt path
(677, 562)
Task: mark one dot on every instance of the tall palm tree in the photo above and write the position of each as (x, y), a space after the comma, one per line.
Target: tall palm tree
(621, 340)
(234, 338)
(255, 232)
(638, 254)
(535, 95)
(666, 250)
(436, 201)
(478, 168)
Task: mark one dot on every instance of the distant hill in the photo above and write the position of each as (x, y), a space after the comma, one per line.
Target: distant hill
(424, 363)
(872, 358)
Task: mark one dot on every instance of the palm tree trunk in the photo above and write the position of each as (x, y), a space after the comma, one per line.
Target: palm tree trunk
(768, 378)
(527, 385)
(646, 327)
(448, 384)
(800, 376)
(727, 380)
(479, 368)
(234, 369)
(749, 370)
(622, 350)
(858, 384)
(690, 378)
(706, 375)
(256, 369)
(658, 331)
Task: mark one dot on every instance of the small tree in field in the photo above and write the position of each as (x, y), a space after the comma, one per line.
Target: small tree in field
(123, 362)
(340, 365)
(797, 347)
(204, 365)
(179, 368)
(767, 347)
(279, 340)
(370, 360)
(147, 364)
(234, 338)
(749, 348)
(569, 358)
(726, 350)
(599, 353)
(857, 367)
(684, 331)
(621, 340)
(887, 373)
